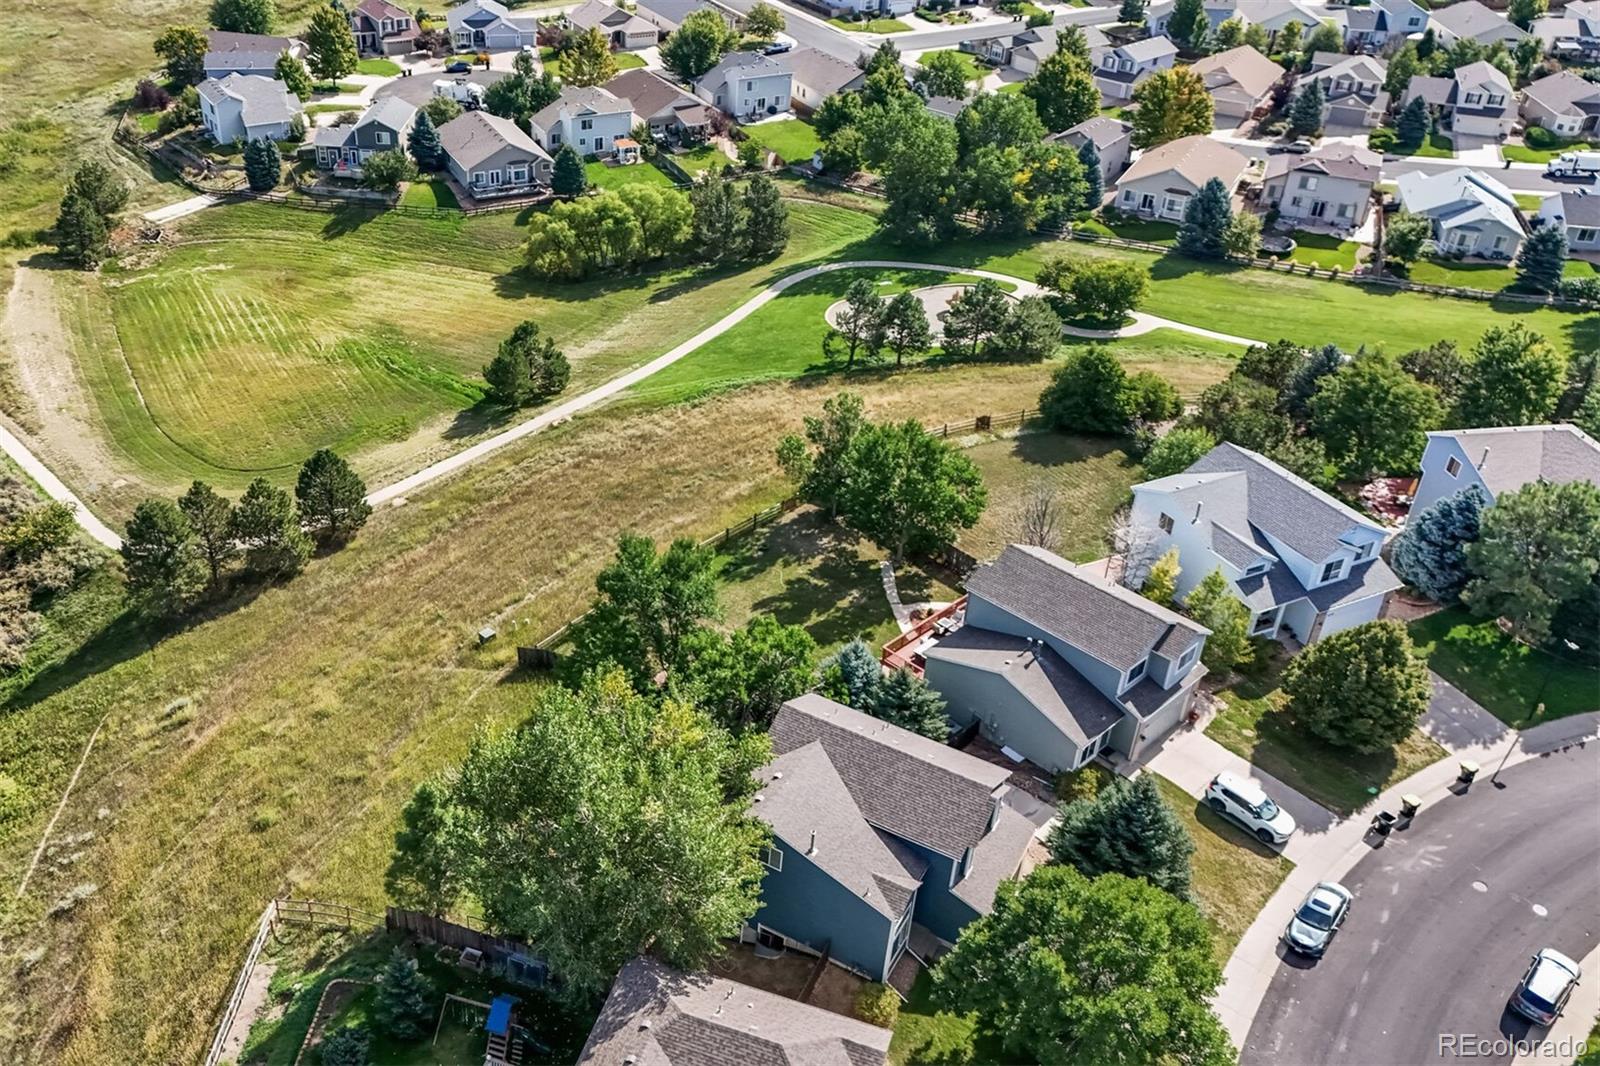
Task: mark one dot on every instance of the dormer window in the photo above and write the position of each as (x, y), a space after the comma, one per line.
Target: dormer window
(1110, 63)
(1136, 672)
(1333, 571)
(1472, 98)
(1256, 568)
(1186, 658)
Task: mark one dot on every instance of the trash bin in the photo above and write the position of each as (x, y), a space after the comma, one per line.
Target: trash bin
(1469, 770)
(1383, 822)
(1410, 804)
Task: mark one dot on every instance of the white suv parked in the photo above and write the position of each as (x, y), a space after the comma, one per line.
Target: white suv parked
(1246, 803)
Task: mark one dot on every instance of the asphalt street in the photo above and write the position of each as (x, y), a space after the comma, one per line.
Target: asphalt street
(1446, 916)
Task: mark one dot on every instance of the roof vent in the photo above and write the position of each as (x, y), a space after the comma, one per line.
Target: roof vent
(1485, 458)
(760, 796)
(777, 775)
(1198, 506)
(644, 1024)
(812, 850)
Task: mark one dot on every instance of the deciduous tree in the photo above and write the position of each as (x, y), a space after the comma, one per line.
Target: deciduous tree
(1177, 451)
(819, 462)
(1161, 585)
(1212, 605)
(1242, 236)
(588, 59)
(423, 873)
(943, 73)
(909, 490)
(183, 50)
(1149, 397)
(698, 44)
(1513, 378)
(293, 73)
(1373, 416)
(331, 45)
(1087, 393)
(1537, 548)
(918, 168)
(1361, 688)
(763, 21)
(1172, 103)
(1096, 290)
(1431, 552)
(1063, 92)
(1126, 829)
(244, 16)
(1243, 411)
(741, 678)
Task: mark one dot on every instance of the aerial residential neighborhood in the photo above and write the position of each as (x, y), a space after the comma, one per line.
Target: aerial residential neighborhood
(887, 532)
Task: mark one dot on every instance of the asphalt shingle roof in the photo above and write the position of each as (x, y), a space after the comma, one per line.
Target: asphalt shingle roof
(1111, 623)
(1517, 455)
(474, 136)
(658, 1016)
(1196, 159)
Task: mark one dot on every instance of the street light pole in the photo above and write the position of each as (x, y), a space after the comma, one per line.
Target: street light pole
(1538, 712)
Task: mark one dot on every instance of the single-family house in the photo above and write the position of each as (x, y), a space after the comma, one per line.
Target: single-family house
(1573, 34)
(883, 8)
(383, 28)
(1113, 142)
(667, 15)
(247, 53)
(1160, 182)
(874, 829)
(748, 85)
(1475, 101)
(587, 117)
(1504, 459)
(1373, 26)
(945, 107)
(1406, 17)
(622, 29)
(1472, 213)
(1060, 665)
(1331, 186)
(1271, 15)
(385, 126)
(1121, 68)
(658, 1016)
(817, 75)
(1578, 212)
(1156, 16)
(489, 26)
(1303, 562)
(674, 116)
(490, 156)
(246, 107)
(1471, 21)
(1353, 96)
(1563, 103)
(1026, 50)
(1240, 81)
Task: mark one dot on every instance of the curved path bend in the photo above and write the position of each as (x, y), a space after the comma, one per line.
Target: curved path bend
(1143, 323)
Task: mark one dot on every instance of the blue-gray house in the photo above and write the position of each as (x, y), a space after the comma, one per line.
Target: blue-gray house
(876, 829)
(1503, 459)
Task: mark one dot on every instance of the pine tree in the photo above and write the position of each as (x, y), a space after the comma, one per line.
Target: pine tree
(1412, 127)
(1127, 829)
(527, 368)
(404, 999)
(860, 674)
(1305, 117)
(906, 700)
(263, 166)
(210, 517)
(767, 229)
(1161, 585)
(1187, 23)
(1431, 553)
(1542, 258)
(332, 497)
(424, 145)
(159, 557)
(1205, 222)
(1132, 11)
(267, 528)
(568, 177)
(81, 234)
(347, 1045)
(719, 218)
(1093, 179)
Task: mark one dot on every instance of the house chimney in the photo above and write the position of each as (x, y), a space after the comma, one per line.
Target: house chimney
(1485, 458)
(812, 850)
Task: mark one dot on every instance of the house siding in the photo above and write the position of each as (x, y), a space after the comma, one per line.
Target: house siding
(937, 909)
(1354, 613)
(1353, 196)
(803, 903)
(1003, 714)
(1436, 482)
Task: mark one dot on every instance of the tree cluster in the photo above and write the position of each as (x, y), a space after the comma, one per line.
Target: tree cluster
(40, 557)
(527, 369)
(700, 42)
(1090, 392)
(1095, 291)
(89, 208)
(615, 229)
(897, 484)
(528, 90)
(177, 552)
(855, 677)
(737, 220)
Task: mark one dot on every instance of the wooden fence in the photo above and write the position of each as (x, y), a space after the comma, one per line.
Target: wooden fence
(230, 1010)
(319, 915)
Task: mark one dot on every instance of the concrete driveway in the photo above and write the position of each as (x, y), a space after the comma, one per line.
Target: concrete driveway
(1446, 915)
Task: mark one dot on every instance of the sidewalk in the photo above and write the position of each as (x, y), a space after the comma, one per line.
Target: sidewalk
(1250, 971)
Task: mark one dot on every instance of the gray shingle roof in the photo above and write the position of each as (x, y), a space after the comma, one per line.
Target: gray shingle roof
(1517, 455)
(263, 100)
(1103, 130)
(1237, 549)
(658, 1016)
(994, 860)
(1290, 509)
(474, 136)
(1047, 681)
(1562, 92)
(913, 787)
(818, 70)
(390, 111)
(1111, 623)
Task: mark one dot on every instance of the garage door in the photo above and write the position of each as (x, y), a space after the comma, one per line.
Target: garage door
(1351, 614)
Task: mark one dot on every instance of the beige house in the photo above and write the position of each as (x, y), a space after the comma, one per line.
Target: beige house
(1239, 80)
(1562, 103)
(1161, 181)
(1352, 89)
(1329, 187)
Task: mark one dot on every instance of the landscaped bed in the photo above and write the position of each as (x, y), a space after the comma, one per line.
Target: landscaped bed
(1255, 723)
(1507, 677)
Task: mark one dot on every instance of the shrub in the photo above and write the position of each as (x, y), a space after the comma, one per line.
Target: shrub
(1585, 289)
(149, 96)
(752, 155)
(1382, 139)
(878, 1004)
(1361, 688)
(1539, 138)
(348, 1046)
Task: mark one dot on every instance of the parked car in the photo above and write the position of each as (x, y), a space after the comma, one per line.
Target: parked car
(460, 66)
(778, 48)
(1318, 917)
(1246, 803)
(1298, 147)
(1543, 992)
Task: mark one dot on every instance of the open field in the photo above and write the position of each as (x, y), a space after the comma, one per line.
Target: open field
(1507, 677)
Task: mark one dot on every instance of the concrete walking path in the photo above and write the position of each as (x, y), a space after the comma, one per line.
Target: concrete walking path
(54, 488)
(1146, 323)
(562, 412)
(181, 209)
(1255, 961)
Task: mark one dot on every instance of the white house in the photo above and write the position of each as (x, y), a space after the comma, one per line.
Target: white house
(1303, 562)
(490, 26)
(1476, 100)
(748, 85)
(247, 107)
(1375, 25)
(1470, 20)
(1472, 213)
(1119, 69)
(1577, 211)
(1504, 459)
(1161, 181)
(1563, 103)
(588, 117)
(1331, 186)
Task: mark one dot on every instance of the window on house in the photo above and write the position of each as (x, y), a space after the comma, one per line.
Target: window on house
(1333, 571)
(478, 177)
(1496, 99)
(1452, 466)
(1136, 672)
(1499, 243)
(1344, 210)
(1584, 236)
(749, 85)
(1472, 98)
(1165, 522)
(771, 858)
(1295, 201)
(586, 124)
(1266, 623)
(1185, 659)
(383, 137)
(1110, 63)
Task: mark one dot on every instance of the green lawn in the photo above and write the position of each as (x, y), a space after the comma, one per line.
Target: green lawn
(429, 192)
(608, 177)
(330, 87)
(1324, 250)
(1437, 146)
(808, 572)
(1133, 229)
(147, 121)
(870, 26)
(1255, 723)
(383, 68)
(1507, 677)
(623, 61)
(1011, 87)
(793, 139)
(967, 60)
(1529, 202)
(702, 158)
(1234, 874)
(1520, 153)
(328, 109)
(1462, 273)
(927, 1033)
